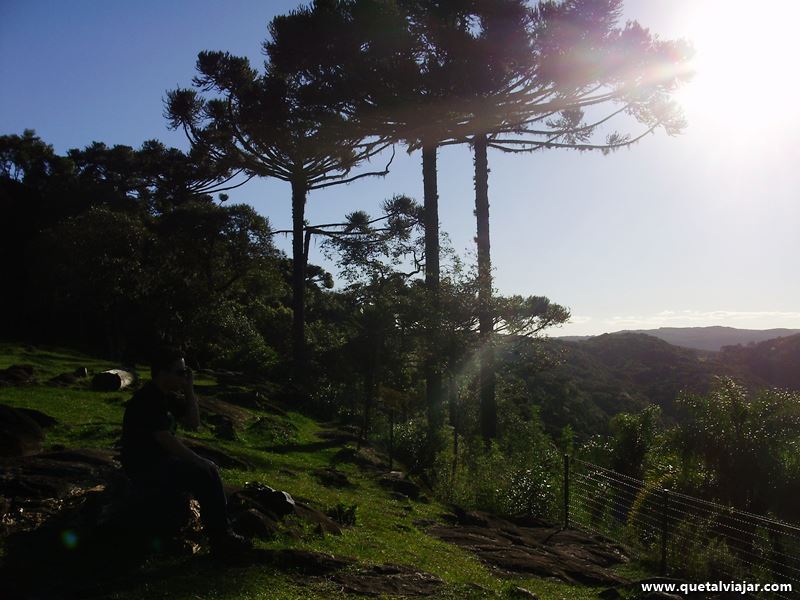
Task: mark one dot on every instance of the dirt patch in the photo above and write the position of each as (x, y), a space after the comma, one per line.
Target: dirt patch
(395, 580)
(532, 547)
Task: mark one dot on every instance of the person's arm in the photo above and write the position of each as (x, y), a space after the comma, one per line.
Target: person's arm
(175, 448)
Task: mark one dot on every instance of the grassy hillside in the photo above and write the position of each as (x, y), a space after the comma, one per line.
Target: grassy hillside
(284, 454)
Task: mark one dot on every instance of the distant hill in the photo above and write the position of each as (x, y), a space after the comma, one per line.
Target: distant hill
(773, 362)
(585, 383)
(703, 338)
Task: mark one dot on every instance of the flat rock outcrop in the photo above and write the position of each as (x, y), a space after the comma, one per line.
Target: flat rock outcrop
(529, 546)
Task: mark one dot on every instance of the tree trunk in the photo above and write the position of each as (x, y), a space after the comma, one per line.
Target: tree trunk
(433, 376)
(486, 378)
(452, 397)
(299, 193)
(369, 400)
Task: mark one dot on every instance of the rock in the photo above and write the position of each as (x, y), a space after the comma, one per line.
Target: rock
(265, 499)
(39, 484)
(254, 524)
(571, 556)
(43, 420)
(423, 523)
(330, 477)
(210, 407)
(521, 592)
(63, 379)
(270, 501)
(397, 482)
(323, 522)
(394, 580)
(20, 435)
(243, 398)
(366, 458)
(113, 380)
(16, 375)
(223, 426)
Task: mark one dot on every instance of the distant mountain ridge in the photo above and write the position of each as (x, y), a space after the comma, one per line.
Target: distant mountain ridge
(583, 384)
(710, 339)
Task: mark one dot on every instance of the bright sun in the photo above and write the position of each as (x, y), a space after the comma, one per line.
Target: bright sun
(746, 65)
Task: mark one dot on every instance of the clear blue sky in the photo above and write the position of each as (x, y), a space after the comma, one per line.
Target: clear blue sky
(698, 229)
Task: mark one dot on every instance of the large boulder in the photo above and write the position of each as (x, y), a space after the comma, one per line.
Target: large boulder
(397, 481)
(113, 380)
(42, 419)
(263, 498)
(20, 434)
(16, 375)
(252, 523)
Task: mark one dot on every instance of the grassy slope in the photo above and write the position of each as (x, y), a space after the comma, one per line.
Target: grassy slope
(384, 532)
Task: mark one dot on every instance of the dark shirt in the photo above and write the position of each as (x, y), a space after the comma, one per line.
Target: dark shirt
(149, 410)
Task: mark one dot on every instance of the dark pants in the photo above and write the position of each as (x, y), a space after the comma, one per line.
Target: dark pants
(175, 477)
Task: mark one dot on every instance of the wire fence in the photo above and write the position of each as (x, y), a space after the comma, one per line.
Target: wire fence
(683, 535)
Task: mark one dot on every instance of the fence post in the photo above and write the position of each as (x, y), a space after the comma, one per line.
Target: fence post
(664, 530)
(566, 491)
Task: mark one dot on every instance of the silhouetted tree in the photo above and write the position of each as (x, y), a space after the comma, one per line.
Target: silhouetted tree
(269, 125)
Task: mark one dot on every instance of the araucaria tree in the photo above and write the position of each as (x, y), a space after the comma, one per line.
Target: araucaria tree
(271, 124)
(555, 78)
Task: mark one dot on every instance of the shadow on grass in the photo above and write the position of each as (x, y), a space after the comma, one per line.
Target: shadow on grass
(307, 447)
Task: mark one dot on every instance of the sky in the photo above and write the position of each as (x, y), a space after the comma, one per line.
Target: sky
(691, 230)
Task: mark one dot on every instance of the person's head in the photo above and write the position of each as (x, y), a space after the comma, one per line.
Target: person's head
(168, 369)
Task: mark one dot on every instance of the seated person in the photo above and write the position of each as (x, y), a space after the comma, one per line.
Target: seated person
(154, 459)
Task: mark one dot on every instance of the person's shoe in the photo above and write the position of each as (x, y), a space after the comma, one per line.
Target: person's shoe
(230, 545)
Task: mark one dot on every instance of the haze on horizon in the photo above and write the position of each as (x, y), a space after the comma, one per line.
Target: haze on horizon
(694, 230)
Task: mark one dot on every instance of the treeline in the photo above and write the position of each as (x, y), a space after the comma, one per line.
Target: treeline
(116, 249)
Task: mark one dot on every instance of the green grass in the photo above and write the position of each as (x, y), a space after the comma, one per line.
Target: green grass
(384, 531)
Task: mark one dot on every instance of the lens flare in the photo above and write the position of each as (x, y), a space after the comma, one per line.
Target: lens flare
(70, 539)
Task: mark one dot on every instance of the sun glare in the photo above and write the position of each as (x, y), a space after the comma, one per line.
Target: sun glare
(745, 65)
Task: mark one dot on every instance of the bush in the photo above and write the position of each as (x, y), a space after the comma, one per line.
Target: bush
(229, 335)
(507, 478)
